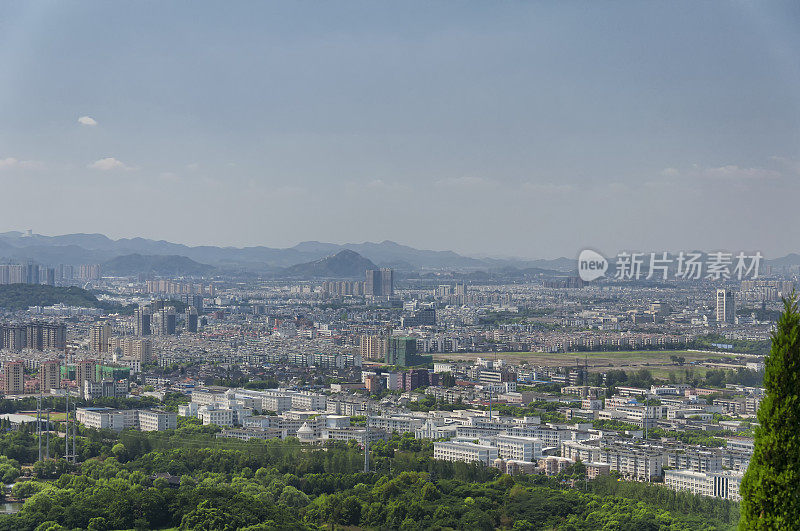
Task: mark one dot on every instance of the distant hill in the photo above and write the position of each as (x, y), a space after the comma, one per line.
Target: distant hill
(22, 296)
(170, 265)
(96, 248)
(344, 264)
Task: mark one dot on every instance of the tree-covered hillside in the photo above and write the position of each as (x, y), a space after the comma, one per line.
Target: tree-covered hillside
(21, 296)
(125, 481)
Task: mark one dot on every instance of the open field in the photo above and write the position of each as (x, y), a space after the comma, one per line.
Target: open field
(54, 417)
(656, 360)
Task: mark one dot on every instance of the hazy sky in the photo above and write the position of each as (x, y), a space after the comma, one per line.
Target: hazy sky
(527, 129)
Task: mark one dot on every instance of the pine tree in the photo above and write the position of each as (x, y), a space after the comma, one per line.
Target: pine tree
(771, 486)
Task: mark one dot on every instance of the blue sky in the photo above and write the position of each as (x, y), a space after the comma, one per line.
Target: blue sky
(527, 129)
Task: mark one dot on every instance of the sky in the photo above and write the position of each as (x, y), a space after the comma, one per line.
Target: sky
(524, 129)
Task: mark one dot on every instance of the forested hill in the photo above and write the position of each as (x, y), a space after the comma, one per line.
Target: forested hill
(22, 296)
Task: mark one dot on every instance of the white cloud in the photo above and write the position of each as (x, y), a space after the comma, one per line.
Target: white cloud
(670, 172)
(732, 172)
(547, 188)
(789, 164)
(464, 182)
(109, 163)
(9, 163)
(87, 120)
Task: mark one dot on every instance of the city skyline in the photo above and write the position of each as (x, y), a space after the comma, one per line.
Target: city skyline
(504, 131)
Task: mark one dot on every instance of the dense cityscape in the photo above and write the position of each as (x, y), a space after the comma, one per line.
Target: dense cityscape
(373, 266)
(654, 382)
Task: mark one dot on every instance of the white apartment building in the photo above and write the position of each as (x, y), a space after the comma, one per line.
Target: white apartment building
(307, 401)
(694, 459)
(632, 462)
(431, 430)
(120, 419)
(398, 423)
(576, 450)
(153, 420)
(741, 444)
(720, 484)
(464, 451)
(214, 414)
(518, 448)
(102, 418)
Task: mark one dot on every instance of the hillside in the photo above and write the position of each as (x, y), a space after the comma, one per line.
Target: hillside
(170, 265)
(344, 264)
(21, 296)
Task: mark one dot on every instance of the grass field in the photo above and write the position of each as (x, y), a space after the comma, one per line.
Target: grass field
(655, 360)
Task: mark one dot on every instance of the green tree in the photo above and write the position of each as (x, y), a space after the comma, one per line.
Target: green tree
(771, 486)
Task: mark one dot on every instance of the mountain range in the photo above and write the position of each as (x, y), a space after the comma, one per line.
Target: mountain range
(125, 255)
(97, 248)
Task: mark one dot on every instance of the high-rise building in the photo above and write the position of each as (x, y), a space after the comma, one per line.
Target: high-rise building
(191, 319)
(379, 282)
(16, 274)
(100, 334)
(48, 276)
(402, 351)
(89, 272)
(373, 348)
(36, 336)
(726, 306)
(131, 347)
(31, 274)
(421, 317)
(13, 377)
(387, 282)
(85, 371)
(142, 317)
(50, 375)
(163, 322)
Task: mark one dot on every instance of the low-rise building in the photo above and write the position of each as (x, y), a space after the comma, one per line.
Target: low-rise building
(720, 484)
(468, 452)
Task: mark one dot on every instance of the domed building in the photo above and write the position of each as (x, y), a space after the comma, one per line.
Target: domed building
(306, 433)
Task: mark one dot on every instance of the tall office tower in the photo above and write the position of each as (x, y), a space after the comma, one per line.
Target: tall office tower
(163, 322)
(379, 282)
(13, 377)
(31, 274)
(195, 300)
(726, 306)
(100, 334)
(143, 318)
(4, 274)
(387, 282)
(50, 375)
(68, 273)
(85, 371)
(372, 285)
(191, 319)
